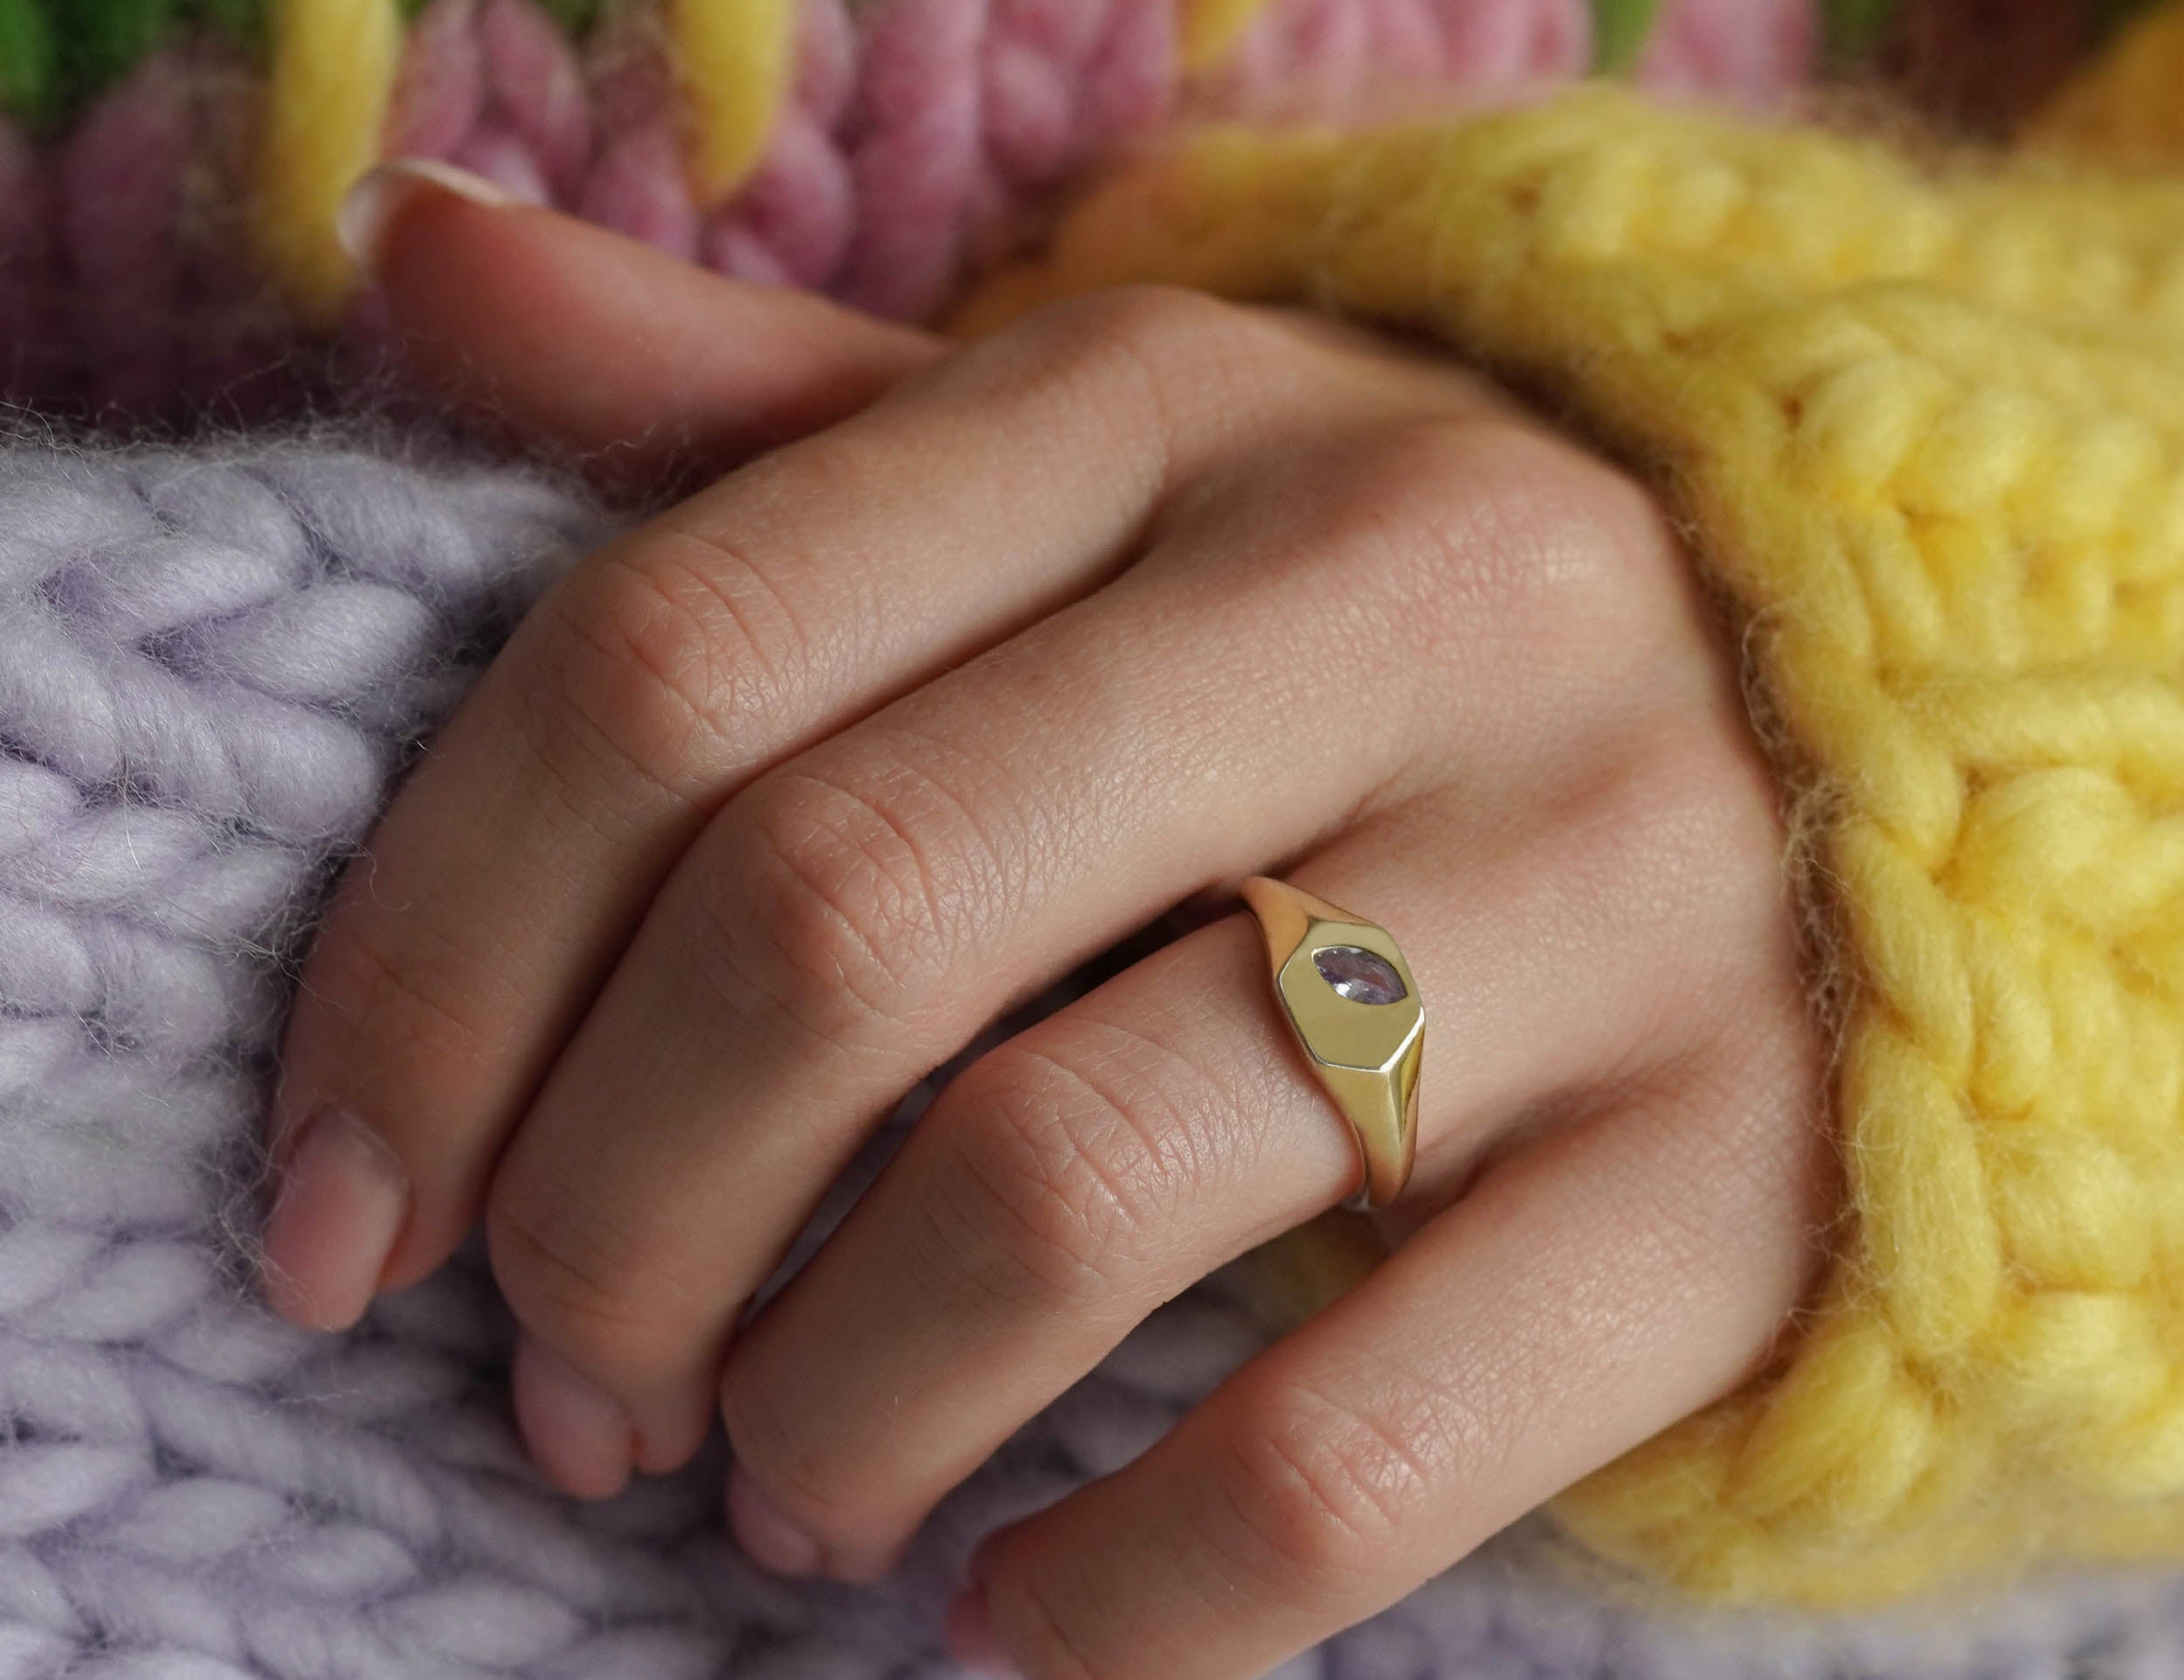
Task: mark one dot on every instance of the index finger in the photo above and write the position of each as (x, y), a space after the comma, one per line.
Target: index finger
(636, 361)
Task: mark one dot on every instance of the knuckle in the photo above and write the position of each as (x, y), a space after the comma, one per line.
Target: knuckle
(568, 1280)
(654, 660)
(1327, 1491)
(853, 897)
(1171, 353)
(1499, 524)
(1164, 323)
(1059, 1175)
(1696, 838)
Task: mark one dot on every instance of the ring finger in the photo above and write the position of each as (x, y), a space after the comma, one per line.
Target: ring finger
(1100, 1162)
(1596, 1285)
(666, 672)
(853, 917)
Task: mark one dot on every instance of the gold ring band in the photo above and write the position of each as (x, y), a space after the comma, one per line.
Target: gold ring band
(1352, 1002)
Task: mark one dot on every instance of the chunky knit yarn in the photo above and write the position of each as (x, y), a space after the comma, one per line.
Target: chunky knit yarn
(1929, 431)
(1925, 428)
(168, 187)
(209, 662)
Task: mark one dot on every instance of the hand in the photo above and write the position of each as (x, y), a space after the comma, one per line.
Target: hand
(773, 804)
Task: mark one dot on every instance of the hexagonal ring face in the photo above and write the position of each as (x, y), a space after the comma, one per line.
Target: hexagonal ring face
(1353, 1005)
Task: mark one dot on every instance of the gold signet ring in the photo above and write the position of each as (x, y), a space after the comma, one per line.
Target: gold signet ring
(1350, 1001)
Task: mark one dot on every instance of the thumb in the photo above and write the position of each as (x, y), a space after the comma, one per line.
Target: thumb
(637, 360)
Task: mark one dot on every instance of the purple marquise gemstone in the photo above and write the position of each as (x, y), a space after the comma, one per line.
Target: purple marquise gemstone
(1360, 975)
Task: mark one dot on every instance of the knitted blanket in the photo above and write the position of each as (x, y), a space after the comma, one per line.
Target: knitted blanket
(211, 662)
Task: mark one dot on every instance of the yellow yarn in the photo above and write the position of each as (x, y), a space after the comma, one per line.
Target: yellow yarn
(1930, 428)
(334, 64)
(1209, 28)
(733, 62)
(2130, 102)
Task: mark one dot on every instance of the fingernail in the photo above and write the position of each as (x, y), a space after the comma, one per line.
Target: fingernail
(334, 1221)
(378, 197)
(969, 1631)
(577, 1432)
(770, 1536)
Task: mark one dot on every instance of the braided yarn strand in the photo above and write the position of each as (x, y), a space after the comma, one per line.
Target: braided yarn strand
(1930, 432)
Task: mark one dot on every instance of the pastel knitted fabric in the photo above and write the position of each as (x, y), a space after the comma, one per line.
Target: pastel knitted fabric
(209, 662)
(1926, 429)
(1929, 431)
(166, 205)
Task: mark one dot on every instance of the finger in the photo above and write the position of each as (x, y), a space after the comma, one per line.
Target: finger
(853, 917)
(635, 361)
(1105, 1159)
(1593, 1289)
(752, 621)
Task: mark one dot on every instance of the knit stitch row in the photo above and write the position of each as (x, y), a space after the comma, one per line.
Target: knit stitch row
(873, 151)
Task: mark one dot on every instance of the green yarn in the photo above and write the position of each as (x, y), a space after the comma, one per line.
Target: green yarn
(572, 18)
(30, 76)
(56, 54)
(106, 39)
(241, 21)
(1620, 29)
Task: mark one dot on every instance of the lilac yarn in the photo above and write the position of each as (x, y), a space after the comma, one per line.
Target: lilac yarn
(210, 663)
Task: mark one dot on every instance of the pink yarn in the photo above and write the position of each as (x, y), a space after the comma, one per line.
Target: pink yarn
(156, 309)
(792, 223)
(637, 187)
(154, 306)
(440, 88)
(490, 85)
(1342, 57)
(1130, 77)
(1753, 51)
(1514, 46)
(120, 203)
(26, 258)
(916, 161)
(635, 182)
(921, 138)
(926, 134)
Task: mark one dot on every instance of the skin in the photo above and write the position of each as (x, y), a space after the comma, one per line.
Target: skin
(967, 663)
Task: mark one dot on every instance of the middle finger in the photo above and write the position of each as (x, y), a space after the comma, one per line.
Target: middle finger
(1079, 1175)
(853, 917)
(761, 616)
